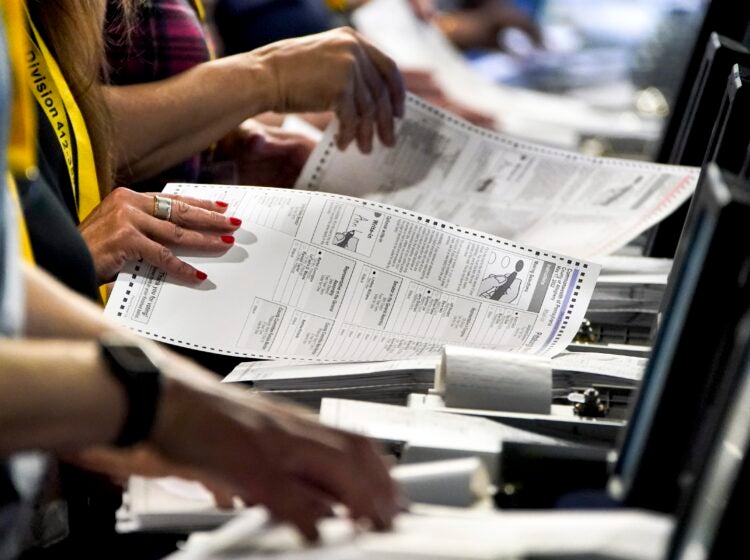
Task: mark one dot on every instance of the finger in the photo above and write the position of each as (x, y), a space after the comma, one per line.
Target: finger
(334, 471)
(347, 115)
(390, 73)
(298, 504)
(193, 217)
(366, 114)
(381, 107)
(373, 467)
(174, 235)
(161, 257)
(213, 205)
(223, 498)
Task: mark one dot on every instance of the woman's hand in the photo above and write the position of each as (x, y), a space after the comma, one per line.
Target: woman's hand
(122, 228)
(337, 70)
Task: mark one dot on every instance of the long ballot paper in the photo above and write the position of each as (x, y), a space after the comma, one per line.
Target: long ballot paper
(445, 167)
(322, 277)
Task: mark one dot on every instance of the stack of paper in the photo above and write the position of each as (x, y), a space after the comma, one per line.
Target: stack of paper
(429, 532)
(627, 298)
(387, 382)
(615, 377)
(428, 435)
(169, 504)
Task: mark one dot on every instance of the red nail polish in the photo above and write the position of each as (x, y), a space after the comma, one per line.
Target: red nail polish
(235, 221)
(201, 275)
(221, 204)
(228, 239)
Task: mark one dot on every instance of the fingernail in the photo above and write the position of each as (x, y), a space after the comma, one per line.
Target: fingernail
(200, 275)
(235, 221)
(221, 204)
(228, 239)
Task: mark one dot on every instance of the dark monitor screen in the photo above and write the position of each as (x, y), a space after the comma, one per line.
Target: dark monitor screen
(705, 300)
(711, 524)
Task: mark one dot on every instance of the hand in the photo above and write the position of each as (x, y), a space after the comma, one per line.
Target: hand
(122, 228)
(477, 28)
(266, 155)
(260, 450)
(423, 9)
(424, 85)
(341, 71)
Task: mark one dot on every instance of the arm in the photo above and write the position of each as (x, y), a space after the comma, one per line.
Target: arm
(160, 123)
(53, 396)
(58, 396)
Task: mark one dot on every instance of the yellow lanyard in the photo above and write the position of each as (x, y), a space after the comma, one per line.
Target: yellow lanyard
(59, 106)
(200, 10)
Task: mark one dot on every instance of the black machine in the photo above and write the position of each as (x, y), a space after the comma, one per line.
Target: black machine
(683, 389)
(701, 128)
(730, 20)
(711, 520)
(727, 146)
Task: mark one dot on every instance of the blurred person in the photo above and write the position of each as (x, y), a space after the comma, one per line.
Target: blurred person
(470, 24)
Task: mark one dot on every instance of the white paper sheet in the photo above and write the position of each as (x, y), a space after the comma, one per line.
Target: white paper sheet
(491, 380)
(436, 533)
(548, 118)
(450, 169)
(275, 371)
(626, 368)
(423, 428)
(168, 504)
(321, 277)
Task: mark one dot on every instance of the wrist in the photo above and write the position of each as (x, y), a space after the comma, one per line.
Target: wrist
(141, 381)
(258, 79)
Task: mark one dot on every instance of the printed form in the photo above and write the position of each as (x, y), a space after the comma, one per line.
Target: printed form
(445, 167)
(323, 277)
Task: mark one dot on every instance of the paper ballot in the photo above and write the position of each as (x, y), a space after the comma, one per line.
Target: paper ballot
(447, 168)
(321, 277)
(547, 118)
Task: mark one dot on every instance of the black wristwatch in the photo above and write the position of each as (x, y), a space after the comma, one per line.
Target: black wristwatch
(140, 378)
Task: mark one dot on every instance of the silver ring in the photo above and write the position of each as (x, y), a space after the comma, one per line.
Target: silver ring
(162, 207)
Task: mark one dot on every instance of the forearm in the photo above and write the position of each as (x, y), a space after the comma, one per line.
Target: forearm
(56, 396)
(54, 311)
(159, 124)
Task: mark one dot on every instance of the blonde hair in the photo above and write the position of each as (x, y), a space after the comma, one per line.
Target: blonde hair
(75, 31)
